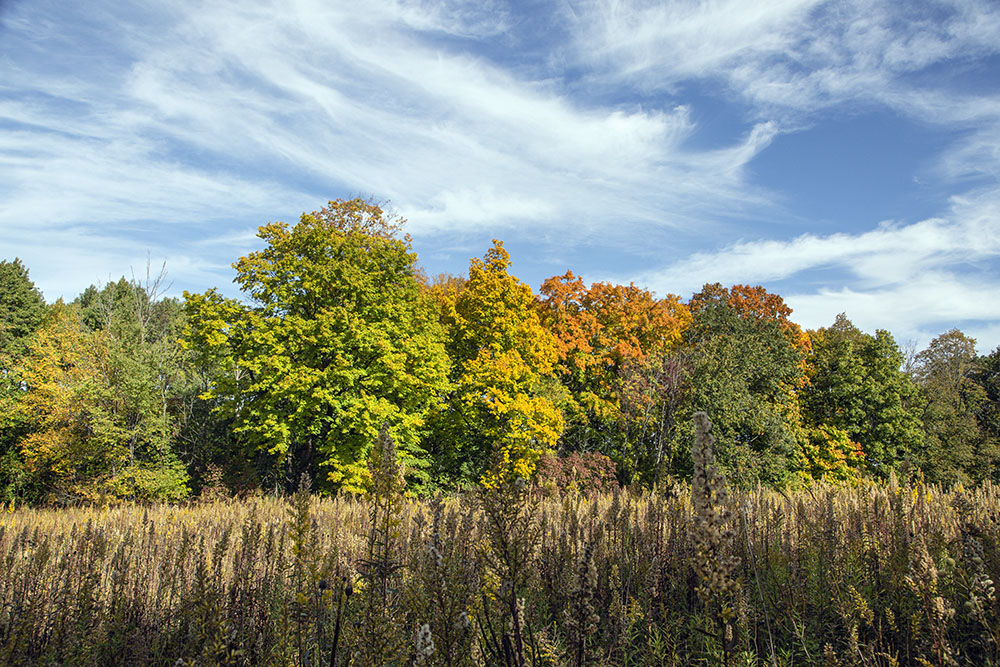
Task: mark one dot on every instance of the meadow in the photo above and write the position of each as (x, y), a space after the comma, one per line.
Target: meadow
(890, 574)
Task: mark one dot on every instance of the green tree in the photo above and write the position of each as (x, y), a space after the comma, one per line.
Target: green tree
(99, 402)
(337, 339)
(745, 372)
(985, 373)
(21, 312)
(953, 448)
(21, 309)
(856, 386)
(499, 419)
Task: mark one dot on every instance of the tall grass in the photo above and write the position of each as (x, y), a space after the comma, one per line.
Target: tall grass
(898, 574)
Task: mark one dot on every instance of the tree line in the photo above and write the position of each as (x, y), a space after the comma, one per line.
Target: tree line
(123, 393)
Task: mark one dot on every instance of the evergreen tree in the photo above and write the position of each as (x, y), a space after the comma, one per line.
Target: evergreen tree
(21, 312)
(21, 309)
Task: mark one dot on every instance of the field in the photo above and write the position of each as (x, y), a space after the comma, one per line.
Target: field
(866, 575)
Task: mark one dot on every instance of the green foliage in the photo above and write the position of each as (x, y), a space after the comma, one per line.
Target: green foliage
(124, 394)
(617, 348)
(338, 340)
(99, 400)
(21, 310)
(654, 399)
(986, 374)
(744, 370)
(856, 386)
(955, 447)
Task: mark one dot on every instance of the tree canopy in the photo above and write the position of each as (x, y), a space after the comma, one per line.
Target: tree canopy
(496, 420)
(21, 309)
(337, 336)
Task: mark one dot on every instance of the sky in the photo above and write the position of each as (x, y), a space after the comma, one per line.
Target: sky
(843, 154)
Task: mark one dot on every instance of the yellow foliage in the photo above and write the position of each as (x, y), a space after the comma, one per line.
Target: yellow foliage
(502, 352)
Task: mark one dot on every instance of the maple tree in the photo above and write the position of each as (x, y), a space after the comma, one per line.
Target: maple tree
(124, 394)
(338, 340)
(497, 420)
(605, 334)
(757, 302)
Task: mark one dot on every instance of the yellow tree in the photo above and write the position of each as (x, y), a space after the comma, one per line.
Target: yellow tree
(498, 420)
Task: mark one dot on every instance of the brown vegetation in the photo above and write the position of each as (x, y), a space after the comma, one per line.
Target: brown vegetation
(871, 575)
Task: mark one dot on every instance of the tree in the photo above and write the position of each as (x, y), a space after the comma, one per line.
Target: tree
(754, 302)
(652, 394)
(99, 405)
(337, 340)
(746, 371)
(21, 310)
(497, 421)
(615, 344)
(985, 372)
(856, 385)
(955, 448)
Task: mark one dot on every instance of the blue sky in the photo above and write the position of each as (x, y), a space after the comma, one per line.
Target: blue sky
(845, 155)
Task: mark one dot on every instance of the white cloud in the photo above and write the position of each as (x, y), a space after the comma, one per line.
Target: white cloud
(661, 43)
(905, 278)
(352, 102)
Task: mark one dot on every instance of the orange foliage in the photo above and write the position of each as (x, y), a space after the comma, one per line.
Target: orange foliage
(754, 302)
(606, 325)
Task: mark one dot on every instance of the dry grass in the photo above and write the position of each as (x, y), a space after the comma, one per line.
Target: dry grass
(872, 575)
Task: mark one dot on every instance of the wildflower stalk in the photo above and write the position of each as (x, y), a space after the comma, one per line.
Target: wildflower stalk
(714, 560)
(380, 604)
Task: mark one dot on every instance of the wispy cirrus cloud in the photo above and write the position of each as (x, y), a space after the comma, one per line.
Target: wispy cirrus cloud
(799, 63)
(177, 129)
(232, 110)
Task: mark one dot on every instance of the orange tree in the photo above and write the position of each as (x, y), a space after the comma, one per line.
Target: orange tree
(614, 342)
(499, 418)
(337, 339)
